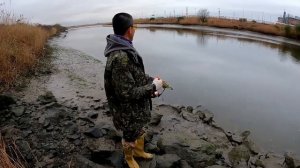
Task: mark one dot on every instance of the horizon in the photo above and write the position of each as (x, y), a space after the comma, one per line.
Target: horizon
(81, 13)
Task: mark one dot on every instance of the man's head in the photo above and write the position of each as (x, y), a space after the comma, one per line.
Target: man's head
(123, 25)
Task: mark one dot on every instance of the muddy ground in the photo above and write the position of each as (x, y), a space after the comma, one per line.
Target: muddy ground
(61, 119)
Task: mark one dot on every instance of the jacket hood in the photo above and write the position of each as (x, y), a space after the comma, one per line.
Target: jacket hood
(115, 43)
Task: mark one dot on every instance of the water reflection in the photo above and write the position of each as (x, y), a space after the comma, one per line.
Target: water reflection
(292, 50)
(284, 49)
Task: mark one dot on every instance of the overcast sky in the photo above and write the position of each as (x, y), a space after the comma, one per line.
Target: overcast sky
(72, 12)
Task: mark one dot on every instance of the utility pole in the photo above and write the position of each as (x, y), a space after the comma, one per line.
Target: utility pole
(187, 11)
(219, 13)
(174, 12)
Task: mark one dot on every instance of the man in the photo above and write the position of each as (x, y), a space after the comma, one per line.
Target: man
(128, 89)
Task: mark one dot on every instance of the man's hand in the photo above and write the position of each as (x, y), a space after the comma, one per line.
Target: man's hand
(158, 83)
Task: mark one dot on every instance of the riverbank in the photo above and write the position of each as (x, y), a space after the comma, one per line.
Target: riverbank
(61, 119)
(21, 47)
(268, 29)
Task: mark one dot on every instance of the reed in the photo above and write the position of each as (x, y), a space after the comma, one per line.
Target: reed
(21, 46)
(10, 159)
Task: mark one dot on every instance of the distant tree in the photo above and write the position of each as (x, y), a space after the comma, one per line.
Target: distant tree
(297, 28)
(180, 18)
(203, 15)
(288, 30)
(152, 17)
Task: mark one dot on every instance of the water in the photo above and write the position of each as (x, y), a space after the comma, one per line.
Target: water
(249, 81)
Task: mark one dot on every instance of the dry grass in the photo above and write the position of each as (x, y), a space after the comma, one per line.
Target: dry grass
(20, 47)
(270, 29)
(6, 160)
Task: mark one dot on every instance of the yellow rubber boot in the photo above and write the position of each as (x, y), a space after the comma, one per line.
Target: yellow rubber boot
(128, 152)
(139, 148)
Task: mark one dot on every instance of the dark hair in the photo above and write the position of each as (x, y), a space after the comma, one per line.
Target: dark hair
(121, 22)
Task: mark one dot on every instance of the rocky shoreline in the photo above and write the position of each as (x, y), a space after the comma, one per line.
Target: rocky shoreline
(61, 119)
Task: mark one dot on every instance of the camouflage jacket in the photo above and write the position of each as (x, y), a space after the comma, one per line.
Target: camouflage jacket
(128, 89)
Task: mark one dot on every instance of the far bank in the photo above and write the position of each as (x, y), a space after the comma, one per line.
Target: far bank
(288, 31)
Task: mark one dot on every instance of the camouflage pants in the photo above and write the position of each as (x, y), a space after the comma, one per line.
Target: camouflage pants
(132, 135)
(130, 122)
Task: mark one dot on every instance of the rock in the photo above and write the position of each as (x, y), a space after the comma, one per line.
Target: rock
(87, 119)
(184, 164)
(81, 96)
(272, 161)
(26, 133)
(143, 163)
(188, 147)
(46, 124)
(56, 115)
(232, 137)
(81, 161)
(149, 136)
(6, 101)
(215, 166)
(74, 107)
(41, 120)
(18, 111)
(189, 109)
(189, 116)
(94, 133)
(50, 105)
(74, 136)
(155, 119)
(98, 107)
(252, 147)
(177, 109)
(289, 161)
(239, 154)
(102, 150)
(167, 161)
(109, 131)
(204, 147)
(50, 128)
(97, 100)
(93, 115)
(151, 146)
(259, 163)
(48, 97)
(245, 134)
(70, 128)
(117, 159)
(172, 142)
(206, 116)
(241, 164)
(77, 142)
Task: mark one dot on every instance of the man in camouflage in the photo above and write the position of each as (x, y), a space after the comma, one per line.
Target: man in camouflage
(128, 89)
